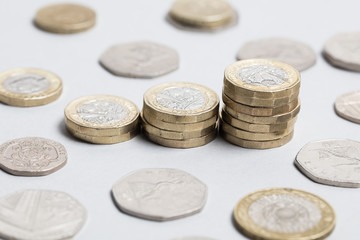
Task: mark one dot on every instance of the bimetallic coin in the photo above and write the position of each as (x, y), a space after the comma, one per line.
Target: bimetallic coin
(39, 215)
(32, 156)
(28, 87)
(284, 213)
(140, 59)
(348, 106)
(65, 18)
(297, 54)
(343, 50)
(333, 162)
(159, 194)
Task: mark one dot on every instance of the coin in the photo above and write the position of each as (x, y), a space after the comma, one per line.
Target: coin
(32, 156)
(284, 213)
(159, 194)
(348, 106)
(333, 162)
(180, 102)
(140, 59)
(343, 50)
(297, 54)
(65, 18)
(39, 215)
(28, 87)
(187, 143)
(256, 144)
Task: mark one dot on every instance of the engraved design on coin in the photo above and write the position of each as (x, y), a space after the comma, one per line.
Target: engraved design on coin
(102, 112)
(40, 214)
(348, 106)
(26, 84)
(181, 98)
(284, 213)
(263, 75)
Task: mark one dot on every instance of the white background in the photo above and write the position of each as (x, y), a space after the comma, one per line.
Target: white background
(230, 172)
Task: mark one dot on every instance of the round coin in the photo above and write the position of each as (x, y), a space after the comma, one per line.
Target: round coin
(28, 87)
(343, 50)
(297, 54)
(32, 156)
(140, 59)
(159, 194)
(65, 18)
(333, 162)
(284, 213)
(348, 106)
(39, 215)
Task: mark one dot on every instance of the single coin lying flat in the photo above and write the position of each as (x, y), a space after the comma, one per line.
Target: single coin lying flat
(348, 106)
(159, 194)
(32, 156)
(40, 215)
(140, 59)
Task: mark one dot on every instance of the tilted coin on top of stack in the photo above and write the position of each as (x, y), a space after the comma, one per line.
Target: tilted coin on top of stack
(102, 119)
(180, 114)
(260, 103)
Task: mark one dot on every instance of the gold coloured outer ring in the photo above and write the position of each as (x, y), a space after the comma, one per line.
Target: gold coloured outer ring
(30, 100)
(189, 143)
(258, 128)
(65, 18)
(232, 77)
(152, 108)
(320, 231)
(256, 144)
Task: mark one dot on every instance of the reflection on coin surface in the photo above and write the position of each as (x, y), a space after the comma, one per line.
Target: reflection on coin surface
(294, 53)
(65, 18)
(343, 50)
(140, 59)
(348, 106)
(283, 213)
(40, 215)
(32, 156)
(333, 162)
(160, 194)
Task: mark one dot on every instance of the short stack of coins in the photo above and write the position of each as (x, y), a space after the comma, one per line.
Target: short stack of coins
(180, 114)
(102, 119)
(260, 103)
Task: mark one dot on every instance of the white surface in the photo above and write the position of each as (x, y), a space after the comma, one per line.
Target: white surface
(230, 172)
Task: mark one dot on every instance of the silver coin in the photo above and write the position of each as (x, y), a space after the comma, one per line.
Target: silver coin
(333, 162)
(32, 156)
(263, 75)
(40, 215)
(348, 106)
(140, 59)
(26, 83)
(294, 53)
(343, 50)
(160, 194)
(181, 98)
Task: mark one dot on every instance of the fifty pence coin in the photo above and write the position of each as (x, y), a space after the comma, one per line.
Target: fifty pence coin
(32, 156)
(140, 59)
(284, 213)
(333, 162)
(28, 87)
(297, 54)
(40, 215)
(348, 106)
(343, 50)
(159, 194)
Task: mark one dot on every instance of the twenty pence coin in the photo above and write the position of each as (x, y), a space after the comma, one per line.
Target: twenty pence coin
(348, 106)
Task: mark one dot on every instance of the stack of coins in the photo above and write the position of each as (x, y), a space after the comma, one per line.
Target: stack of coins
(102, 119)
(260, 103)
(180, 115)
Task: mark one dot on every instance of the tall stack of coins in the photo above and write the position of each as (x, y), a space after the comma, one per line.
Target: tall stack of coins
(102, 119)
(180, 114)
(260, 103)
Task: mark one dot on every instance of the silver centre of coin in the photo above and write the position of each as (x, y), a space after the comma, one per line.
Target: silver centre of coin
(26, 84)
(181, 98)
(284, 213)
(263, 75)
(102, 112)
